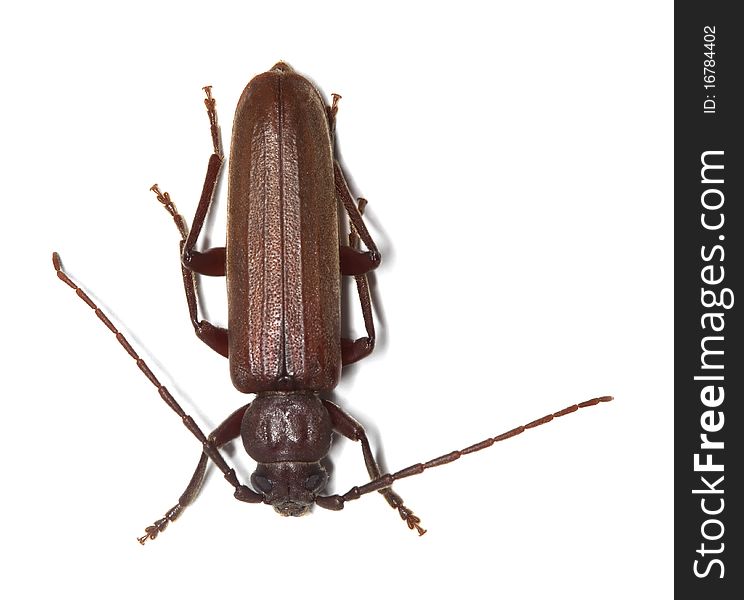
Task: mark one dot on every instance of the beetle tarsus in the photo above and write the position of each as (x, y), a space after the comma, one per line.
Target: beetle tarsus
(334, 104)
(159, 526)
(165, 199)
(148, 535)
(211, 105)
(411, 520)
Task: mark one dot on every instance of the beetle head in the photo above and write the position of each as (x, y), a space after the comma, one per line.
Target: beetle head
(290, 487)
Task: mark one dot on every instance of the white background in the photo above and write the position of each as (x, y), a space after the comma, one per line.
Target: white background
(518, 164)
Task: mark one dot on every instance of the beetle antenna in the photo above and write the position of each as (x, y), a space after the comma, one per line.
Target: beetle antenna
(242, 492)
(336, 502)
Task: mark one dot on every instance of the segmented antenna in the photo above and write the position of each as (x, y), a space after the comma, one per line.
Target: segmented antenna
(242, 492)
(336, 502)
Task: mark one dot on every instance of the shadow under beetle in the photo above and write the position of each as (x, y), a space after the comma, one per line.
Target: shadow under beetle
(283, 263)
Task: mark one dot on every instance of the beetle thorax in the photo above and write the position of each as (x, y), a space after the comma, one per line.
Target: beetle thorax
(286, 427)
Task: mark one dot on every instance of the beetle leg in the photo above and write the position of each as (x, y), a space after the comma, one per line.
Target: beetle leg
(350, 428)
(354, 350)
(226, 432)
(211, 261)
(350, 257)
(354, 212)
(355, 262)
(213, 336)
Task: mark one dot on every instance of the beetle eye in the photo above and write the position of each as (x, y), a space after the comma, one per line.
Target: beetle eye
(262, 484)
(314, 481)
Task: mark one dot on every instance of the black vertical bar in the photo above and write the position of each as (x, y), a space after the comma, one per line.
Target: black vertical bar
(709, 297)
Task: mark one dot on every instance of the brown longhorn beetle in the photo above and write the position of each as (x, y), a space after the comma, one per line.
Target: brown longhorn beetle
(283, 263)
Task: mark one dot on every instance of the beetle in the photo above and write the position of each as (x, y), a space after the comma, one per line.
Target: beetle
(283, 263)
